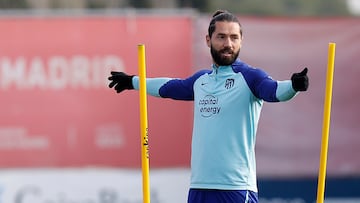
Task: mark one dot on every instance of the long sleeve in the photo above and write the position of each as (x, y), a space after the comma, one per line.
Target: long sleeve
(152, 84)
(263, 86)
(284, 90)
(178, 89)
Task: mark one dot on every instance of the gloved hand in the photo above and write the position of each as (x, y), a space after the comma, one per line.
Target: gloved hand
(300, 81)
(121, 81)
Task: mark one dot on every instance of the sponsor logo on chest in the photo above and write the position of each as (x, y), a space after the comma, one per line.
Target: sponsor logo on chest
(209, 104)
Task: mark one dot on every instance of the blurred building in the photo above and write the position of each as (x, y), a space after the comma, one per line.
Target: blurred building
(354, 6)
(100, 3)
(244, 7)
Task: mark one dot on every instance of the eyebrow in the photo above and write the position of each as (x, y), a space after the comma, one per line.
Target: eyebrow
(231, 35)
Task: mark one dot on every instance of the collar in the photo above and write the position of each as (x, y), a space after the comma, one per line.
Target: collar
(221, 69)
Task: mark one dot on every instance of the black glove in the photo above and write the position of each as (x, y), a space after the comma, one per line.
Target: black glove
(121, 81)
(300, 81)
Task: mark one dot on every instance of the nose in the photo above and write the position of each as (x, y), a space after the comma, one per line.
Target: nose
(227, 42)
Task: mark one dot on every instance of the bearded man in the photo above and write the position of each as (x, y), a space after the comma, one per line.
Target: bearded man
(227, 99)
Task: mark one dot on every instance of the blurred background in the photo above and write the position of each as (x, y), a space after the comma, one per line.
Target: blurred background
(66, 137)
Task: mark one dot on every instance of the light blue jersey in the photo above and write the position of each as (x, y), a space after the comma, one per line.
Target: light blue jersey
(227, 105)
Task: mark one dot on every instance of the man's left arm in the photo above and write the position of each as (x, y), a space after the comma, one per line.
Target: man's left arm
(288, 89)
(267, 89)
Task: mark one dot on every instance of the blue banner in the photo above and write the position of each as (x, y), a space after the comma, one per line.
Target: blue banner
(304, 190)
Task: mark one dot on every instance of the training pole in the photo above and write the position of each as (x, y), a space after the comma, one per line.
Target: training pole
(326, 124)
(144, 125)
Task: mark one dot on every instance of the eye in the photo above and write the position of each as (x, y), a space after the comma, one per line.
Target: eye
(221, 36)
(235, 37)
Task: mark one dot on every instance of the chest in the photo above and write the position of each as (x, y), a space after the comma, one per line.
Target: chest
(219, 95)
(228, 87)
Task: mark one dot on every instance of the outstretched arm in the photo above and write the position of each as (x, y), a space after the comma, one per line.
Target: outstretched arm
(179, 89)
(287, 89)
(264, 87)
(121, 81)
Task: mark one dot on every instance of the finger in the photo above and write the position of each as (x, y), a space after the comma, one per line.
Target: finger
(112, 84)
(118, 88)
(115, 73)
(114, 77)
(304, 72)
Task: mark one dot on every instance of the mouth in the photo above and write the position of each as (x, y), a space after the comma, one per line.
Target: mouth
(227, 53)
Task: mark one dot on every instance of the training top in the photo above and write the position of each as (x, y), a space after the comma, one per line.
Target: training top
(227, 105)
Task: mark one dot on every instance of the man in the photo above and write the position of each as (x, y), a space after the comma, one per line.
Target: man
(227, 104)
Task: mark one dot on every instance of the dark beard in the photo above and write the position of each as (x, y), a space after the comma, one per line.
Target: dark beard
(223, 61)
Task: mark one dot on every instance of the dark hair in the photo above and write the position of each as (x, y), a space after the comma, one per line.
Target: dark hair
(222, 15)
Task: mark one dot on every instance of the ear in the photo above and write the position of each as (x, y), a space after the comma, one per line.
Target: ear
(208, 41)
(242, 39)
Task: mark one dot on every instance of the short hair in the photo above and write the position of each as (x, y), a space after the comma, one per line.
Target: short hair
(222, 15)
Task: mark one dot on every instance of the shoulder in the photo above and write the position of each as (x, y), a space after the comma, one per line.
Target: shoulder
(197, 75)
(259, 82)
(249, 72)
(181, 89)
(200, 73)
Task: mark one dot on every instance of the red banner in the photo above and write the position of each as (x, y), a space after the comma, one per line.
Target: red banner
(57, 110)
(56, 107)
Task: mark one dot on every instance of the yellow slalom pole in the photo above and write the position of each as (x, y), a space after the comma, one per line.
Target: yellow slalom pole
(144, 125)
(326, 123)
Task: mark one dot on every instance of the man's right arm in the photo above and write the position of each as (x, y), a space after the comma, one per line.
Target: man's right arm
(153, 85)
(178, 89)
(121, 81)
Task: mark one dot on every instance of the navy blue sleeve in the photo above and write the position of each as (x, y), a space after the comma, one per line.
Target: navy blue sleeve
(259, 82)
(181, 89)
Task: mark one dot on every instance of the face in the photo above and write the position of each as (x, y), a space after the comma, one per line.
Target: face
(225, 43)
